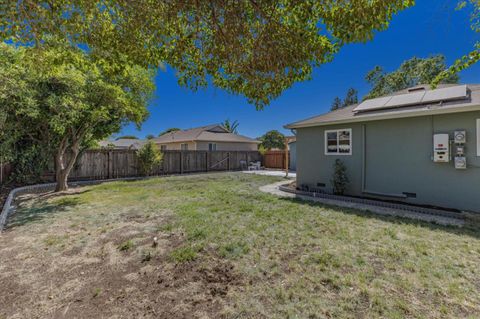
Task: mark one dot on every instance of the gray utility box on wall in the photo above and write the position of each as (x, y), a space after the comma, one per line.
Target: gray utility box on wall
(441, 148)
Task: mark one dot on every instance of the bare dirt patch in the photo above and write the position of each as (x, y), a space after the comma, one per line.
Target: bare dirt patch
(103, 281)
(58, 264)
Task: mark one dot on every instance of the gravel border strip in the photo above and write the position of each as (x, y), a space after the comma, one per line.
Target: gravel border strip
(376, 207)
(373, 202)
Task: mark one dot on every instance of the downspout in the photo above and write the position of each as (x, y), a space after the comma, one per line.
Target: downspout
(364, 156)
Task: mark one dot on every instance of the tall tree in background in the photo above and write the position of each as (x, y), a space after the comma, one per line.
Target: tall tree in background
(231, 127)
(254, 48)
(169, 130)
(351, 98)
(337, 104)
(273, 139)
(410, 73)
(68, 100)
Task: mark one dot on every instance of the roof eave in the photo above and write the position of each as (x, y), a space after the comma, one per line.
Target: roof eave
(388, 116)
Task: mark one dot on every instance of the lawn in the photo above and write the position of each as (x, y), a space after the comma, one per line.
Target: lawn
(224, 249)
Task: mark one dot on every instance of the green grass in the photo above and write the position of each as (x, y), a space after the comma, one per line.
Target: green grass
(296, 259)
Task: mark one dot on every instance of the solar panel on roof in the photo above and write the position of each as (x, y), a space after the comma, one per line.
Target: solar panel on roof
(372, 104)
(405, 99)
(446, 94)
(415, 98)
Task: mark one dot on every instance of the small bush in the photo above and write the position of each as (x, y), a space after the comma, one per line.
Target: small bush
(149, 156)
(126, 245)
(339, 179)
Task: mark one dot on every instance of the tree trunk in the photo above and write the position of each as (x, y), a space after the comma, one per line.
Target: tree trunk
(62, 170)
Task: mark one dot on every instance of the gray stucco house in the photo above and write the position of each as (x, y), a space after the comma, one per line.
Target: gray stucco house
(418, 146)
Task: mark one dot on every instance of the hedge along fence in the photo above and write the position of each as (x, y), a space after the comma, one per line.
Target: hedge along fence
(5, 171)
(108, 164)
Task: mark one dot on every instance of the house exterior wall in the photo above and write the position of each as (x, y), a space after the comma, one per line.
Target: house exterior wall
(398, 159)
(293, 155)
(203, 146)
(178, 146)
(223, 146)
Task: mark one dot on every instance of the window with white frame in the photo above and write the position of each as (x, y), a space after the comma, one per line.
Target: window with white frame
(184, 147)
(163, 148)
(338, 142)
(478, 137)
(212, 146)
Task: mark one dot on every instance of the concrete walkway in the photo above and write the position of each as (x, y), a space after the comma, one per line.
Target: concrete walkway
(279, 173)
(441, 220)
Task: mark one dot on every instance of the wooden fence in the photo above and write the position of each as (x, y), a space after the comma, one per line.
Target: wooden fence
(105, 164)
(275, 159)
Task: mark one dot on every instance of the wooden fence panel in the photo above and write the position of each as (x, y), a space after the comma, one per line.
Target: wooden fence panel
(275, 159)
(104, 164)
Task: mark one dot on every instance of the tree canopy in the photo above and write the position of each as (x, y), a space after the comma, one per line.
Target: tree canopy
(410, 73)
(254, 48)
(169, 130)
(65, 100)
(231, 127)
(273, 139)
(350, 98)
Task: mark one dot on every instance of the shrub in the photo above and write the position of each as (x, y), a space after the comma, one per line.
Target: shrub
(339, 179)
(262, 150)
(149, 156)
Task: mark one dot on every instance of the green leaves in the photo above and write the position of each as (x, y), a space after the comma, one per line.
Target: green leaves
(56, 97)
(273, 140)
(254, 48)
(411, 72)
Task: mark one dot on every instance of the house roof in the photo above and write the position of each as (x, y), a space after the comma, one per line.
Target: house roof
(349, 115)
(209, 133)
(122, 143)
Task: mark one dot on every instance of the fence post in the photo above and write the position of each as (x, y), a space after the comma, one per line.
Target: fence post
(228, 161)
(206, 161)
(110, 164)
(181, 162)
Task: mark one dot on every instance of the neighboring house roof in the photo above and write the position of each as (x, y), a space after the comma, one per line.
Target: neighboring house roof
(471, 102)
(291, 139)
(209, 133)
(123, 143)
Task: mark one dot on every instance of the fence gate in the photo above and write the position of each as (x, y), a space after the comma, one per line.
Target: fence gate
(275, 159)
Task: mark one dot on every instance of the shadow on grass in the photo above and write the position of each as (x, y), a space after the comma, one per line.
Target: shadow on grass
(471, 227)
(22, 216)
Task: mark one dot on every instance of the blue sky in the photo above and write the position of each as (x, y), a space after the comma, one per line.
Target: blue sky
(430, 27)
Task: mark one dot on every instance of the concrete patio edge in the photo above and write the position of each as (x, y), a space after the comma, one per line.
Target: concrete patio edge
(277, 189)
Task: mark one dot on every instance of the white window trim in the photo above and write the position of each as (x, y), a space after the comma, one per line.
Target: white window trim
(186, 147)
(163, 147)
(478, 137)
(325, 140)
(214, 145)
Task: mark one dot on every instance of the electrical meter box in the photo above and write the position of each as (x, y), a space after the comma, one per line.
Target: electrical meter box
(441, 148)
(460, 137)
(460, 162)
